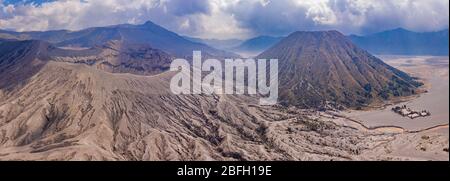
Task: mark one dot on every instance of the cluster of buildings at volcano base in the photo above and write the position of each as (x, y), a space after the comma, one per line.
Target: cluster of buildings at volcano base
(407, 112)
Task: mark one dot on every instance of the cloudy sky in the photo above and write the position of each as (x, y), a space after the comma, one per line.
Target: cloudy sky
(224, 19)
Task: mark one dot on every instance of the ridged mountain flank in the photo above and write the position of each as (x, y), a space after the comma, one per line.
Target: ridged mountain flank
(63, 104)
(147, 33)
(318, 68)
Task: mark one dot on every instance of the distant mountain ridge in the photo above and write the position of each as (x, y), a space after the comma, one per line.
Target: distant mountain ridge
(257, 44)
(317, 68)
(404, 42)
(216, 43)
(149, 33)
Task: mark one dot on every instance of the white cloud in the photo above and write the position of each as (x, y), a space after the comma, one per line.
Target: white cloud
(231, 18)
(318, 10)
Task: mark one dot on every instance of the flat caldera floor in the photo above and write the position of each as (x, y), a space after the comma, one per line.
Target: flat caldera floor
(434, 73)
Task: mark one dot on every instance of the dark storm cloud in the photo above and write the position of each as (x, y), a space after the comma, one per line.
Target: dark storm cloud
(274, 18)
(349, 16)
(186, 7)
